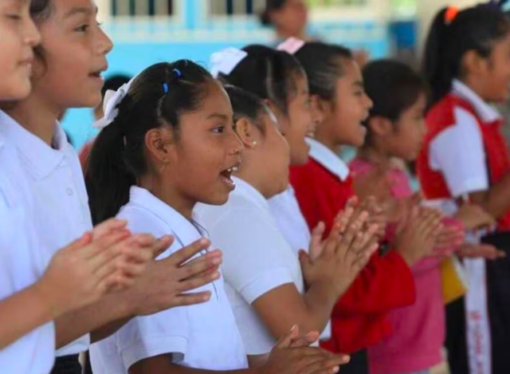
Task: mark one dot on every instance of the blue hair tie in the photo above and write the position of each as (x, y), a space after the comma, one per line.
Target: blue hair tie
(177, 73)
(165, 88)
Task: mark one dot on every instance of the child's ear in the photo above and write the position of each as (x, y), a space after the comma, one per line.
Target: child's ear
(317, 106)
(475, 64)
(380, 126)
(158, 142)
(246, 133)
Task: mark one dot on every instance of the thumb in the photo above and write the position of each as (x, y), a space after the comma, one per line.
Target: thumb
(286, 340)
(316, 241)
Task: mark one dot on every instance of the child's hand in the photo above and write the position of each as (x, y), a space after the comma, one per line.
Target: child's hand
(486, 251)
(398, 210)
(416, 236)
(451, 235)
(289, 356)
(166, 282)
(345, 252)
(474, 217)
(374, 183)
(343, 218)
(136, 251)
(377, 215)
(82, 272)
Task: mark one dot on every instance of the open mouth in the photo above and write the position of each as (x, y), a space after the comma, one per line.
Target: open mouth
(96, 75)
(226, 175)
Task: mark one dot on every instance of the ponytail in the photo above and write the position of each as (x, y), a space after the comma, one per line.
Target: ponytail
(108, 178)
(437, 69)
(452, 35)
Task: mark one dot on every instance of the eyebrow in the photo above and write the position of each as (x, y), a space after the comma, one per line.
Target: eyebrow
(218, 116)
(359, 84)
(81, 10)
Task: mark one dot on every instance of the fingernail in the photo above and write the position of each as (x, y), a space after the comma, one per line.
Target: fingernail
(293, 328)
(216, 261)
(336, 369)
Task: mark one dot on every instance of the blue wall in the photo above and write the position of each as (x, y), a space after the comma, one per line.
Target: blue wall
(139, 44)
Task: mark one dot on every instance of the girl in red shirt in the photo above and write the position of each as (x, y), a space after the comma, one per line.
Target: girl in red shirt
(464, 157)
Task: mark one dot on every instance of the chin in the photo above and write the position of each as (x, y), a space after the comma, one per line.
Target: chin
(218, 199)
(19, 90)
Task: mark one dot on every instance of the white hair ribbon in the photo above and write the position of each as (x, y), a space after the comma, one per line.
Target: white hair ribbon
(291, 45)
(110, 105)
(226, 60)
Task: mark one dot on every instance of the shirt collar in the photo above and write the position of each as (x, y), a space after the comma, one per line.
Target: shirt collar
(328, 159)
(250, 192)
(486, 112)
(39, 156)
(184, 230)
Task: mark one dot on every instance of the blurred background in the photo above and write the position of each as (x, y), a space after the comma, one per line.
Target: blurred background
(149, 31)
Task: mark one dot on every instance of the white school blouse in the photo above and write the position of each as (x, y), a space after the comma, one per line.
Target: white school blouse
(290, 220)
(292, 224)
(256, 258)
(458, 151)
(20, 266)
(53, 195)
(203, 336)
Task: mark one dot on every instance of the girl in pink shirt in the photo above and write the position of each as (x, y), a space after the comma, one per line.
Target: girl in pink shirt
(395, 129)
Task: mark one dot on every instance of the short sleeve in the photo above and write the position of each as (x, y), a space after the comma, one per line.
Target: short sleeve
(251, 264)
(458, 153)
(161, 333)
(149, 336)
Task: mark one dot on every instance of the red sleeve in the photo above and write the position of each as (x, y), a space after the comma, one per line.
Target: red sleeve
(385, 283)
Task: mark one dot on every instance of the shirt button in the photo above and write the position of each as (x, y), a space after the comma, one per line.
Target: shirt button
(69, 191)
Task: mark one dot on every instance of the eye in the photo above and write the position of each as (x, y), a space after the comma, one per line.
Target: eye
(82, 28)
(14, 17)
(219, 129)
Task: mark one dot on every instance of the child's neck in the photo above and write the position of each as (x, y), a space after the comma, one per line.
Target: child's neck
(169, 196)
(373, 155)
(328, 141)
(285, 34)
(254, 176)
(37, 116)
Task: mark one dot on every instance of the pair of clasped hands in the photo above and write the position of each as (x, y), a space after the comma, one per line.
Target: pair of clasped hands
(110, 259)
(449, 232)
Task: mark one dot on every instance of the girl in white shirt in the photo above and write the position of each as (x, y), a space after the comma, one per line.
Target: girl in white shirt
(77, 275)
(42, 179)
(169, 145)
(263, 275)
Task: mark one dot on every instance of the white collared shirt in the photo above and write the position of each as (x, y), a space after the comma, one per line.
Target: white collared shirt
(328, 159)
(203, 336)
(458, 151)
(256, 258)
(290, 220)
(53, 194)
(20, 267)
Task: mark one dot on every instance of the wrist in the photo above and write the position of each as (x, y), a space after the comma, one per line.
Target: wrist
(43, 298)
(120, 305)
(408, 258)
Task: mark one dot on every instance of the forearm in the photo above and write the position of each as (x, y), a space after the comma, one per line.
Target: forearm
(22, 312)
(100, 320)
(320, 300)
(496, 201)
